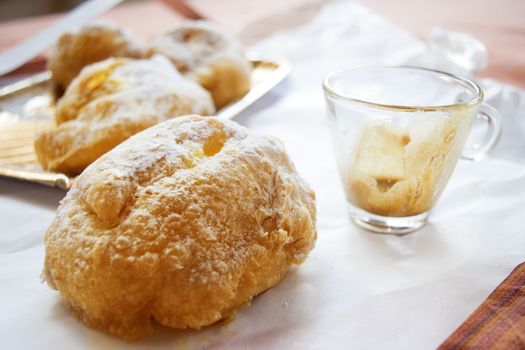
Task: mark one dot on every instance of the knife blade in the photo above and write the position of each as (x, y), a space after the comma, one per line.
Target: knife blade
(23, 52)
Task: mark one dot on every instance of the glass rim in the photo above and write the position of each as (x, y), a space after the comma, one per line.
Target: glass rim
(329, 90)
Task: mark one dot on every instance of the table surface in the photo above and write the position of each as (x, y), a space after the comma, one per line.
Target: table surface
(497, 23)
(356, 289)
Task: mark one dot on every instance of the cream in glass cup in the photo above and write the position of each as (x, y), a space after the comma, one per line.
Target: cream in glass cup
(397, 134)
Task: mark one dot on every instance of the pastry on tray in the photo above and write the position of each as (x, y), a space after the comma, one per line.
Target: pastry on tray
(182, 223)
(110, 101)
(90, 44)
(205, 53)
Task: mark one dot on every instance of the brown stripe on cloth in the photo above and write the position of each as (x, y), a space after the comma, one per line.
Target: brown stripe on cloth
(499, 322)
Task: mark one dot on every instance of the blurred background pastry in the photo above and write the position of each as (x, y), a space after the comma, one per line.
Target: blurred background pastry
(202, 51)
(90, 44)
(110, 101)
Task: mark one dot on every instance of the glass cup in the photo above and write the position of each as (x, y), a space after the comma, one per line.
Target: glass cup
(398, 133)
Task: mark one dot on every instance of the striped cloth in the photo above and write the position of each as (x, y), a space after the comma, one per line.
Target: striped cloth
(498, 323)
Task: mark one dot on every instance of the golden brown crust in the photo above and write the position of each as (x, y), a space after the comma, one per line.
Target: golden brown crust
(90, 44)
(211, 57)
(111, 101)
(183, 223)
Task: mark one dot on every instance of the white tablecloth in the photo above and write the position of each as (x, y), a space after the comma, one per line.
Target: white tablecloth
(356, 290)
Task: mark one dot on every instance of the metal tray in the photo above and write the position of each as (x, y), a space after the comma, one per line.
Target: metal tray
(27, 107)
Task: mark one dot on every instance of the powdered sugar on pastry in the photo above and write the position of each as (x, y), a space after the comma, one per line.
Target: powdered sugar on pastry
(90, 44)
(111, 76)
(182, 223)
(110, 101)
(202, 51)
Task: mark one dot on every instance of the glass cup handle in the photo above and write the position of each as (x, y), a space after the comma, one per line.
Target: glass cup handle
(493, 119)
